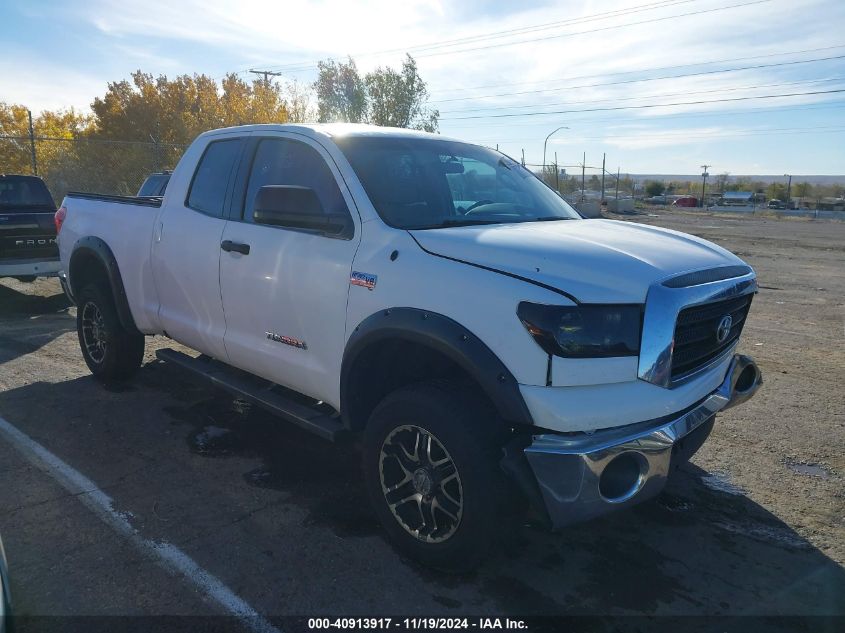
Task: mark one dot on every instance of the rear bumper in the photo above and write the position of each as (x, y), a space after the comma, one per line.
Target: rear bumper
(584, 475)
(29, 267)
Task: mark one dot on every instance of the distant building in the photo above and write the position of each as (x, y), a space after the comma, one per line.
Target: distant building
(738, 198)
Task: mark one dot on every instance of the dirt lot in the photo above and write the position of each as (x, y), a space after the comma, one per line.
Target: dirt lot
(755, 525)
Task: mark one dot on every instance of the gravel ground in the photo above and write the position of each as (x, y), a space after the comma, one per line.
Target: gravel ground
(754, 525)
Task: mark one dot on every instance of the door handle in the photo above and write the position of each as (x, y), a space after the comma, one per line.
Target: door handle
(229, 246)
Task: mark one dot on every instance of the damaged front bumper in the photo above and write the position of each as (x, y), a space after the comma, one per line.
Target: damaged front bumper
(584, 475)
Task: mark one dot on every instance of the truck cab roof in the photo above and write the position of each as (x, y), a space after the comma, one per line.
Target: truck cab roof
(331, 130)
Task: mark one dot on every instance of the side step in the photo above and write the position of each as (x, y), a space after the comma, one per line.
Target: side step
(315, 417)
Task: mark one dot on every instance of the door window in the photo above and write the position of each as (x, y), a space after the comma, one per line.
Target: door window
(285, 162)
(211, 180)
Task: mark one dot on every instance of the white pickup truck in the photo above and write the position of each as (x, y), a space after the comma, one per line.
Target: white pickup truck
(488, 344)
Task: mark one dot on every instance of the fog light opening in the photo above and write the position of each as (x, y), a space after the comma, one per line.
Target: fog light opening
(746, 379)
(622, 478)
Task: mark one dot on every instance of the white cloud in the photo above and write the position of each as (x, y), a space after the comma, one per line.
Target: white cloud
(61, 87)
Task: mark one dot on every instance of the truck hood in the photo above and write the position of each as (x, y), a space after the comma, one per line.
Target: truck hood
(595, 261)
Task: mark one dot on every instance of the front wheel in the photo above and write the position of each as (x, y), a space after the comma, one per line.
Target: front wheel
(431, 456)
(110, 352)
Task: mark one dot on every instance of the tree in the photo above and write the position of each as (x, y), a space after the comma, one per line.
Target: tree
(803, 189)
(654, 188)
(776, 191)
(382, 97)
(398, 99)
(341, 92)
(14, 148)
(721, 182)
(743, 183)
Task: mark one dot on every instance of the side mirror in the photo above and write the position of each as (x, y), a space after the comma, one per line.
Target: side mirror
(296, 207)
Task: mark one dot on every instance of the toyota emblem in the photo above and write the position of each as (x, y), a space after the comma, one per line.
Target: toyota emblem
(723, 330)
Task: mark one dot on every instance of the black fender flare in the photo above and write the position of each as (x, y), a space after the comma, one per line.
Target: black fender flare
(88, 247)
(443, 335)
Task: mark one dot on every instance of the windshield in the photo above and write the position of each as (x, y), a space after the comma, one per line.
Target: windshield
(419, 183)
(24, 192)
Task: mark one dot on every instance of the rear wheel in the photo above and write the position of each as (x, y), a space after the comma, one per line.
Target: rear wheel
(431, 456)
(110, 352)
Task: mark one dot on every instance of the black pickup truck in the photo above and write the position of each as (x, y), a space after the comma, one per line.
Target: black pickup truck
(27, 228)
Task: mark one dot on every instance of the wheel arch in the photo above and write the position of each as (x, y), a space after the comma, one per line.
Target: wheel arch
(398, 346)
(93, 261)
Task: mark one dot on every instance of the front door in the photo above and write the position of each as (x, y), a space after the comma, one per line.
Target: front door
(285, 300)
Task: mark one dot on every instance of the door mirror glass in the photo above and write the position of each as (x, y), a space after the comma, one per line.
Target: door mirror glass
(297, 207)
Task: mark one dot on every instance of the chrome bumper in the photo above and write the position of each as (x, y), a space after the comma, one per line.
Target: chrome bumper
(29, 267)
(582, 475)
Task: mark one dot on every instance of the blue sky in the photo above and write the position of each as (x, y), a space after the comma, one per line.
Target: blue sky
(555, 58)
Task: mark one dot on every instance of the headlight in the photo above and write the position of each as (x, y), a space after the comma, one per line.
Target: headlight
(584, 331)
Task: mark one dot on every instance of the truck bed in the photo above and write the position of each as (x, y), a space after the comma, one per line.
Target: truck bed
(104, 218)
(143, 201)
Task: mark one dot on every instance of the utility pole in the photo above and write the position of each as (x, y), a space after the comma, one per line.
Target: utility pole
(789, 192)
(267, 74)
(557, 175)
(583, 176)
(32, 145)
(704, 175)
(617, 187)
(523, 157)
(603, 159)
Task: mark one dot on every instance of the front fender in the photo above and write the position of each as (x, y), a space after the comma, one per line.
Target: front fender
(443, 335)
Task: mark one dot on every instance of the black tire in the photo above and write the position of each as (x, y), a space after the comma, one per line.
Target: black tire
(472, 437)
(110, 352)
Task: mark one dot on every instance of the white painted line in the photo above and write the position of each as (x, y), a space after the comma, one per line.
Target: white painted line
(168, 556)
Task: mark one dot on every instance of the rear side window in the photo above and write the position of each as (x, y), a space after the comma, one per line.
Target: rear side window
(286, 162)
(154, 185)
(211, 180)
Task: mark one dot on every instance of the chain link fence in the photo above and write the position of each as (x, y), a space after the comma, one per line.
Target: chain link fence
(91, 165)
(586, 187)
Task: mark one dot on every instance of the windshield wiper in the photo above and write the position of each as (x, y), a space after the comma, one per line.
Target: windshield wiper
(549, 218)
(450, 222)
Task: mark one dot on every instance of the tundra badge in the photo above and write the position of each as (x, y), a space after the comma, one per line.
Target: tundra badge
(287, 340)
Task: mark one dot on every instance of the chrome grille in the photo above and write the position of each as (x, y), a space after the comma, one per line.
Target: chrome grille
(695, 333)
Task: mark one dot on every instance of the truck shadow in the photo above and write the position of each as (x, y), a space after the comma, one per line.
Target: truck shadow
(30, 321)
(695, 550)
(14, 303)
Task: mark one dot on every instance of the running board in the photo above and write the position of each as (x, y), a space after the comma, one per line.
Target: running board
(315, 418)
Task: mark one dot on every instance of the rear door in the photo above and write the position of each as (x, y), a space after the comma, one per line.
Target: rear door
(285, 300)
(186, 247)
(27, 230)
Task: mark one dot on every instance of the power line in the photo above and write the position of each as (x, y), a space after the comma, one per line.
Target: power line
(505, 33)
(307, 65)
(650, 105)
(639, 71)
(644, 79)
(685, 115)
(683, 135)
(651, 96)
(598, 30)
(547, 25)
